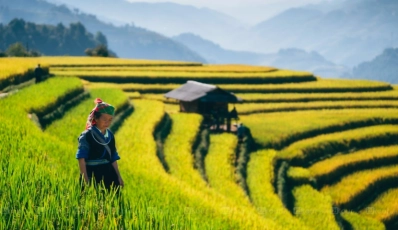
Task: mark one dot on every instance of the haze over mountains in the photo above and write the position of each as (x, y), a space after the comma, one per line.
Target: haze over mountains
(127, 41)
(291, 58)
(345, 32)
(167, 18)
(340, 34)
(384, 66)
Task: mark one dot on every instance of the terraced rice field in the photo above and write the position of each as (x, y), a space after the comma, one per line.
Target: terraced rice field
(322, 153)
(319, 86)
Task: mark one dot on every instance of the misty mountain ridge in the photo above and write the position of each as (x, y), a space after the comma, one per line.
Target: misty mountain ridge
(346, 32)
(166, 18)
(297, 59)
(127, 41)
(291, 58)
(214, 53)
(384, 67)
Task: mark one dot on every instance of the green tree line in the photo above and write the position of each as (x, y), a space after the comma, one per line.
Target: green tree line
(20, 38)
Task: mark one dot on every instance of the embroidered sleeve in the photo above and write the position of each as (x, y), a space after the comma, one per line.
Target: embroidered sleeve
(83, 148)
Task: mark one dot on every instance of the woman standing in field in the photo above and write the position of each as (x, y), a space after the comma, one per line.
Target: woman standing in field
(96, 152)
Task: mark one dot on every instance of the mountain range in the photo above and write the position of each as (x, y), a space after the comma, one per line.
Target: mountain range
(345, 32)
(167, 18)
(384, 66)
(291, 58)
(127, 41)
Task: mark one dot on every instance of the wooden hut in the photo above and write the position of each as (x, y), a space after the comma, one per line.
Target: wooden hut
(208, 100)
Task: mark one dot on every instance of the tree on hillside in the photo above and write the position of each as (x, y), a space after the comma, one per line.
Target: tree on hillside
(48, 39)
(100, 51)
(18, 50)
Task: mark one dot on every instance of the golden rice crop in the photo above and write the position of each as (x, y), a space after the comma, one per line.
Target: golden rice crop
(203, 69)
(361, 222)
(100, 61)
(16, 71)
(384, 208)
(166, 200)
(174, 196)
(335, 167)
(179, 158)
(73, 122)
(152, 198)
(308, 97)
(352, 189)
(12, 66)
(299, 175)
(135, 95)
(314, 208)
(298, 97)
(58, 195)
(220, 170)
(319, 86)
(181, 74)
(41, 195)
(179, 77)
(249, 108)
(178, 148)
(141, 88)
(171, 108)
(259, 178)
(322, 146)
(277, 130)
(158, 97)
(52, 92)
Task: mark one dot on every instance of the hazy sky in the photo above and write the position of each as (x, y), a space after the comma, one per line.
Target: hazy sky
(250, 11)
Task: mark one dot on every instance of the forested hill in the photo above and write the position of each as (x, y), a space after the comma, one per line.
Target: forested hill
(49, 39)
(127, 41)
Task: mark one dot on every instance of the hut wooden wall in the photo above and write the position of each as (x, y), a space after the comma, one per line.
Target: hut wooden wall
(189, 107)
(204, 107)
(210, 107)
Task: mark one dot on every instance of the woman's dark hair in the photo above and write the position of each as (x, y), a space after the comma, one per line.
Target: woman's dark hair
(97, 114)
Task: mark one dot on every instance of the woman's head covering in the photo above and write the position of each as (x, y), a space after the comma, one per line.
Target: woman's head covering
(101, 107)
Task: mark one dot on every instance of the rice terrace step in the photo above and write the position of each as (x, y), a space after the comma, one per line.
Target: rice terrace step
(315, 154)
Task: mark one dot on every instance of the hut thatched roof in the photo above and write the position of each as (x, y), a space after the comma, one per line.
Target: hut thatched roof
(193, 90)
